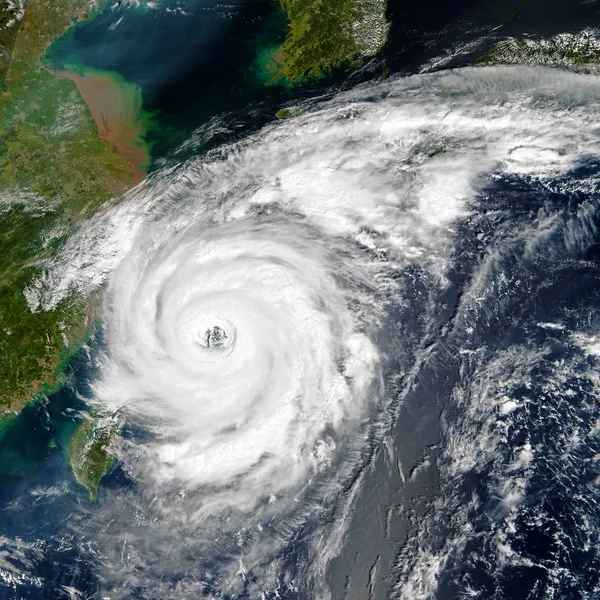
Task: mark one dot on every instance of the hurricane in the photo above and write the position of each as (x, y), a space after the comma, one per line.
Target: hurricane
(246, 352)
(267, 306)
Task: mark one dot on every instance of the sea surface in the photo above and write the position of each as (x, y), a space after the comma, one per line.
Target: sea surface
(490, 488)
(200, 59)
(502, 370)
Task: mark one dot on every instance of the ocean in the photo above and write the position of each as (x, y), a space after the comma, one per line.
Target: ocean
(485, 485)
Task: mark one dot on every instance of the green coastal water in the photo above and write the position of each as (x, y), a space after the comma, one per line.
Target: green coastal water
(135, 104)
(41, 429)
(148, 78)
(116, 106)
(186, 68)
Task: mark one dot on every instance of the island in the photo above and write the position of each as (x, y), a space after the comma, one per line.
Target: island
(89, 451)
(74, 138)
(70, 141)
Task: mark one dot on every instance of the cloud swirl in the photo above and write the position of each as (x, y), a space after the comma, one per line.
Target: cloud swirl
(241, 352)
(258, 297)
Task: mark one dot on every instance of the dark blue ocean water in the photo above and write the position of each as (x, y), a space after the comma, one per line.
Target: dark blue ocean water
(525, 297)
(192, 64)
(497, 502)
(198, 66)
(527, 529)
(197, 60)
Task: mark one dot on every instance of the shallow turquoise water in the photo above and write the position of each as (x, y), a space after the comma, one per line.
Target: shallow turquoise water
(40, 431)
(191, 65)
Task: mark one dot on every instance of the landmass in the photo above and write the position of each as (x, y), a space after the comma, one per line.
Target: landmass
(323, 35)
(59, 162)
(575, 51)
(89, 450)
(289, 112)
(11, 14)
(70, 141)
(72, 138)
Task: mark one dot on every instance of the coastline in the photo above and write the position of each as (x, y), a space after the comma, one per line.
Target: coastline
(117, 109)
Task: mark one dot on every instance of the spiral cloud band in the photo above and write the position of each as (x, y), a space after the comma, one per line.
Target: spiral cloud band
(244, 351)
(251, 311)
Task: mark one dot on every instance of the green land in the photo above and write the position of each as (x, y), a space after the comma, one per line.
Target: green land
(10, 19)
(323, 35)
(70, 141)
(289, 112)
(89, 450)
(55, 170)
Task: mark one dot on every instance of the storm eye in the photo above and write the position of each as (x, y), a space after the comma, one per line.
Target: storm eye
(218, 335)
(215, 337)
